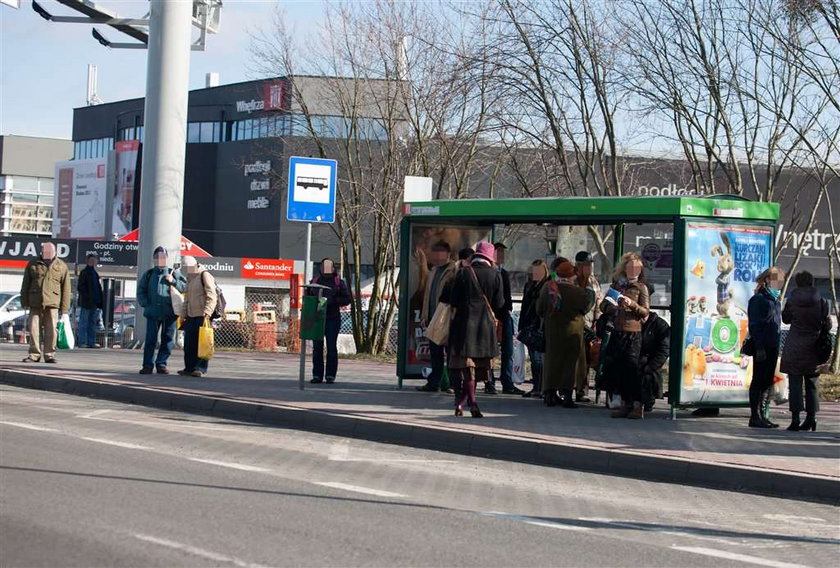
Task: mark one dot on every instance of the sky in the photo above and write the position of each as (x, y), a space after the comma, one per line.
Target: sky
(43, 65)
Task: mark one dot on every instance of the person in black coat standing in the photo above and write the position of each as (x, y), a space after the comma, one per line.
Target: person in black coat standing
(338, 296)
(528, 318)
(808, 314)
(765, 325)
(477, 295)
(656, 348)
(89, 287)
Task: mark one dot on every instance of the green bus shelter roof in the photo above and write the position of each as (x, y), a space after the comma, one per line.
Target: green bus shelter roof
(630, 209)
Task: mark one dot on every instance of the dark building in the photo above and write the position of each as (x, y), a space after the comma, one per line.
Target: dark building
(239, 139)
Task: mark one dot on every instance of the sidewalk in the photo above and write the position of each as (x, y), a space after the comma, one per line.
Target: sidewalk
(365, 403)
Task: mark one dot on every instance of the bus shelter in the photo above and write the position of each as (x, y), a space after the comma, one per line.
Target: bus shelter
(701, 255)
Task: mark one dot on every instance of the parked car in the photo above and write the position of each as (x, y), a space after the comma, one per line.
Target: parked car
(10, 307)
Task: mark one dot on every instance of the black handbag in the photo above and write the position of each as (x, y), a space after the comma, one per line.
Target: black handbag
(824, 345)
(748, 347)
(533, 336)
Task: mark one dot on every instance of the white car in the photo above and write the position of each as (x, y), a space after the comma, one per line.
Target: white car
(10, 307)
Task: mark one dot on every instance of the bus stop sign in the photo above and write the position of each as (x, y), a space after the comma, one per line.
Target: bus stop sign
(312, 189)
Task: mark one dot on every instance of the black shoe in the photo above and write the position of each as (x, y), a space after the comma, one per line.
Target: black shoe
(476, 413)
(528, 394)
(50, 360)
(513, 390)
(330, 380)
(809, 424)
(772, 424)
(489, 388)
(794, 425)
(551, 399)
(425, 388)
(759, 423)
(316, 380)
(31, 360)
(146, 371)
(185, 373)
(649, 407)
(581, 397)
(162, 371)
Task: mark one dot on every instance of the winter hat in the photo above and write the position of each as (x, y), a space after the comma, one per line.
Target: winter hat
(161, 250)
(583, 256)
(485, 250)
(566, 270)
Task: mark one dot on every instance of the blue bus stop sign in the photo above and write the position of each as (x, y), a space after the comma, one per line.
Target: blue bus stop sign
(312, 189)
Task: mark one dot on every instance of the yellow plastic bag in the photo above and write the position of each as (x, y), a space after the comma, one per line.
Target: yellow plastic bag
(206, 341)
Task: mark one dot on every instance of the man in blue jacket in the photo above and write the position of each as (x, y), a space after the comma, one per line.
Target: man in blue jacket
(154, 294)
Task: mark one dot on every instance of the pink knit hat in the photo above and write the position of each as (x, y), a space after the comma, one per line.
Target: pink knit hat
(485, 250)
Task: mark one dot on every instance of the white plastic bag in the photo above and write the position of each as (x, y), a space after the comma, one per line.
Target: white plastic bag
(615, 401)
(65, 340)
(780, 385)
(518, 362)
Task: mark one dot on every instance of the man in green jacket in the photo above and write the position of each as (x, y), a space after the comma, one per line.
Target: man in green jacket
(45, 292)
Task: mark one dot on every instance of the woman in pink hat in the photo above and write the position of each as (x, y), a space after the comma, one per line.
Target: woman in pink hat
(478, 298)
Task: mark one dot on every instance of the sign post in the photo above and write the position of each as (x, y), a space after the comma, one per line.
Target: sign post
(312, 191)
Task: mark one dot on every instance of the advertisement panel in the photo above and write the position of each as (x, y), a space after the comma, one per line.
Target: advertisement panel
(16, 252)
(268, 269)
(722, 263)
(126, 182)
(80, 194)
(110, 253)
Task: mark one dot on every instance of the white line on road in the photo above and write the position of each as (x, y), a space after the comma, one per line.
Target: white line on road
(27, 426)
(537, 521)
(118, 444)
(358, 489)
(214, 556)
(239, 466)
(734, 556)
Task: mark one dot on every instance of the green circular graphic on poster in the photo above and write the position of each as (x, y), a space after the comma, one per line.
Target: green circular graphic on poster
(724, 335)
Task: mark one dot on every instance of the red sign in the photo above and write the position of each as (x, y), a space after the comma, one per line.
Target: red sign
(188, 247)
(274, 95)
(13, 263)
(268, 269)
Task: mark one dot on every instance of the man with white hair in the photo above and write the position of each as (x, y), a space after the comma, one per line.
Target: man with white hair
(199, 304)
(46, 293)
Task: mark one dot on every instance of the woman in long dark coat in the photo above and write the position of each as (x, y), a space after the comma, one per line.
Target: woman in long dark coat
(528, 317)
(478, 299)
(563, 305)
(765, 323)
(807, 313)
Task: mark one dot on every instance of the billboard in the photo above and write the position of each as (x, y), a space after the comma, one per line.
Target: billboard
(126, 170)
(722, 263)
(80, 194)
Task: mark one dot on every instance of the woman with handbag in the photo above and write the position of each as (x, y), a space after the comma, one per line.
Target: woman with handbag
(478, 299)
(765, 326)
(808, 315)
(531, 327)
(563, 304)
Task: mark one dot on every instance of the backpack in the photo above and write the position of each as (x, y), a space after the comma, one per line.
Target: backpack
(221, 303)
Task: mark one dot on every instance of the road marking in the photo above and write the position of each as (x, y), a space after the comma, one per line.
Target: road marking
(357, 489)
(194, 550)
(118, 444)
(795, 519)
(340, 452)
(537, 521)
(239, 466)
(733, 556)
(95, 415)
(27, 426)
(810, 441)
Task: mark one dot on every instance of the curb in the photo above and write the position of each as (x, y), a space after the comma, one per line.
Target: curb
(622, 463)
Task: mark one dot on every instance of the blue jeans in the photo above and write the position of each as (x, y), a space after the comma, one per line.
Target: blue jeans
(191, 360)
(165, 329)
(507, 355)
(333, 326)
(87, 327)
(536, 369)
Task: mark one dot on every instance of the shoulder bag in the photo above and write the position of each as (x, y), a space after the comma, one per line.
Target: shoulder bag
(496, 323)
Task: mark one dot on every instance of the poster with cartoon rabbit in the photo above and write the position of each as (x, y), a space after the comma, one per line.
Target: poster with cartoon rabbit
(722, 262)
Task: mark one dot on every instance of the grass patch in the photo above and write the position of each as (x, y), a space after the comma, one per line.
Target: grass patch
(830, 388)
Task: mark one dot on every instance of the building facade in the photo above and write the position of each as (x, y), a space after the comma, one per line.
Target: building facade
(27, 170)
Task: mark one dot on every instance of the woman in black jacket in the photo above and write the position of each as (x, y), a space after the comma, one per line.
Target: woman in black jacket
(337, 295)
(479, 301)
(807, 313)
(765, 325)
(528, 318)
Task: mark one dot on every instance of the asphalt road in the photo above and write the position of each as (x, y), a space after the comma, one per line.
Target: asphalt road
(92, 483)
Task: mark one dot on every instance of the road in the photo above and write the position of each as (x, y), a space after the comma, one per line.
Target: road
(86, 482)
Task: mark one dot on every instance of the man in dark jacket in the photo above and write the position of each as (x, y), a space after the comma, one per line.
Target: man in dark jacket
(337, 295)
(656, 347)
(154, 294)
(45, 292)
(506, 321)
(89, 287)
